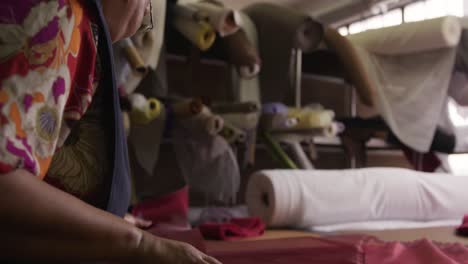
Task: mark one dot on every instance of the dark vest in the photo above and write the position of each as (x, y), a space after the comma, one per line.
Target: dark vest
(119, 196)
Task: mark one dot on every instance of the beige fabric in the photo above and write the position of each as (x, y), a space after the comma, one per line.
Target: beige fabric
(280, 30)
(352, 63)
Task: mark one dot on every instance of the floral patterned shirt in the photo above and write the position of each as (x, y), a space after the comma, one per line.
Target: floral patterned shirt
(48, 57)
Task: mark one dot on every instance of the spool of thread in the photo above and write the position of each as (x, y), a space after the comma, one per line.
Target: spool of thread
(233, 134)
(144, 110)
(228, 108)
(188, 108)
(201, 34)
(133, 56)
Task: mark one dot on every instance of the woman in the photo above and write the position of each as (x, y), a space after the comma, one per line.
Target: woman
(63, 160)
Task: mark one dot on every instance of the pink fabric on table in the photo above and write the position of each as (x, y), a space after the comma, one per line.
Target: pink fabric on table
(236, 228)
(421, 251)
(167, 210)
(192, 236)
(463, 229)
(331, 250)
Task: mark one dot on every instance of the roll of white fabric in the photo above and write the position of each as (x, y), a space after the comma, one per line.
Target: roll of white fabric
(411, 37)
(306, 199)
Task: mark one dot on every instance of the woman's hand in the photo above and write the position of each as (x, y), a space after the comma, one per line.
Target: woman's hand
(124, 17)
(137, 221)
(158, 250)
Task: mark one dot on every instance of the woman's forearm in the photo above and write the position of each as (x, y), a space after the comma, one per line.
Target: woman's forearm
(44, 223)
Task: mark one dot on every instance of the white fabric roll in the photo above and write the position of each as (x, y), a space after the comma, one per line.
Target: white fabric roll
(411, 37)
(306, 199)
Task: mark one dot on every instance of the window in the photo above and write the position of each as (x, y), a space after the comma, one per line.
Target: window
(375, 22)
(393, 18)
(417, 11)
(343, 31)
(413, 12)
(357, 27)
(433, 8)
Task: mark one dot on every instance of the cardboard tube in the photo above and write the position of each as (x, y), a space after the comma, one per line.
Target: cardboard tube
(227, 108)
(232, 134)
(144, 110)
(133, 56)
(188, 108)
(201, 34)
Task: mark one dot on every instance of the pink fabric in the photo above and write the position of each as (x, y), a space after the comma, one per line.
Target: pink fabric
(421, 251)
(168, 210)
(463, 229)
(236, 228)
(331, 250)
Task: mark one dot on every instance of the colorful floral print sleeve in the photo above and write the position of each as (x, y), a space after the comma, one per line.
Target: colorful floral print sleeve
(42, 89)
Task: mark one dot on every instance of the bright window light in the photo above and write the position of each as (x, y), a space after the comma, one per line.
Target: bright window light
(374, 22)
(357, 27)
(415, 12)
(392, 18)
(439, 8)
(343, 31)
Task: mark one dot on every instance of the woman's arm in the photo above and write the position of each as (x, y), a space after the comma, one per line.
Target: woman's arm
(41, 223)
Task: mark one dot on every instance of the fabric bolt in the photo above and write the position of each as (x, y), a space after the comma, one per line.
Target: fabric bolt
(407, 84)
(242, 54)
(236, 228)
(206, 161)
(313, 198)
(288, 29)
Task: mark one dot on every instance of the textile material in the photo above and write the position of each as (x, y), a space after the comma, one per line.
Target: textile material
(411, 37)
(307, 199)
(463, 229)
(421, 251)
(43, 90)
(236, 228)
(407, 85)
(357, 249)
(119, 197)
(288, 29)
(50, 52)
(81, 167)
(170, 209)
